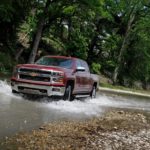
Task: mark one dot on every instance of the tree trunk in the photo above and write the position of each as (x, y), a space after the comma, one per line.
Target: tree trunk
(69, 28)
(123, 47)
(19, 54)
(93, 43)
(36, 41)
(38, 33)
(91, 49)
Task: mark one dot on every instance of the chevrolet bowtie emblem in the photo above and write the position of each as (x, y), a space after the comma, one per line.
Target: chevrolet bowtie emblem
(33, 74)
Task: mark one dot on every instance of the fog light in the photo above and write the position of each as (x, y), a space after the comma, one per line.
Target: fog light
(43, 91)
(56, 89)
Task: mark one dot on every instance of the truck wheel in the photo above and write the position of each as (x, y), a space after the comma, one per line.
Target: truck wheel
(93, 92)
(68, 93)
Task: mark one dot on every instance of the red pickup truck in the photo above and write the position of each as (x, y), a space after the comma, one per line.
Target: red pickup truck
(55, 76)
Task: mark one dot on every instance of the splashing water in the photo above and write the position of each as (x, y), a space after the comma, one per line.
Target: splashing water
(88, 107)
(94, 107)
(5, 89)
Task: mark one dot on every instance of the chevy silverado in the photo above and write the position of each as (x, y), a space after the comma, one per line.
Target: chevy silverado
(67, 77)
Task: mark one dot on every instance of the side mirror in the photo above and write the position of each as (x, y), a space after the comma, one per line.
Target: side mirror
(80, 69)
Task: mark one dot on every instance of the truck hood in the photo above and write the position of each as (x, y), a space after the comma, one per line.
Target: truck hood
(42, 67)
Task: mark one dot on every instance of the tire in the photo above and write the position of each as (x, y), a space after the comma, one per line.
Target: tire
(68, 94)
(93, 93)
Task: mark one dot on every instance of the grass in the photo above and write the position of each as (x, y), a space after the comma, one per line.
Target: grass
(118, 87)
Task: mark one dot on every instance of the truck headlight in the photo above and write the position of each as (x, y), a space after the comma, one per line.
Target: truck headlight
(58, 77)
(57, 74)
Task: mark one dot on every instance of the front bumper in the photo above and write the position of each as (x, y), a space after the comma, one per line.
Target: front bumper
(47, 90)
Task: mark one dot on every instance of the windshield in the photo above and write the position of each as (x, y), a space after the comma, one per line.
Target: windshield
(53, 61)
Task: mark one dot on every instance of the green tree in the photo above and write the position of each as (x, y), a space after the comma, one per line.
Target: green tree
(54, 10)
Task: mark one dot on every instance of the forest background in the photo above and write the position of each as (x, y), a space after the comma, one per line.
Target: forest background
(113, 36)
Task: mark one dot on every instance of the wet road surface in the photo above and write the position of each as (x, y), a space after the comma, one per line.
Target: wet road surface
(18, 114)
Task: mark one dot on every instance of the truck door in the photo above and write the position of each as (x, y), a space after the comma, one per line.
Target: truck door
(87, 77)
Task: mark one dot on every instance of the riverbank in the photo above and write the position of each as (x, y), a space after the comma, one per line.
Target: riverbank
(115, 130)
(130, 92)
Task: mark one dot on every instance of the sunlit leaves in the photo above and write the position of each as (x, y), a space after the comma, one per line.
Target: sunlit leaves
(69, 10)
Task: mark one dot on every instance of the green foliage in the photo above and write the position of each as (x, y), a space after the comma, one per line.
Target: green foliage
(28, 27)
(141, 50)
(95, 68)
(78, 46)
(93, 30)
(69, 10)
(6, 63)
(6, 12)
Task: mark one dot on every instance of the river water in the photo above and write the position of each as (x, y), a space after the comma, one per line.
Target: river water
(19, 114)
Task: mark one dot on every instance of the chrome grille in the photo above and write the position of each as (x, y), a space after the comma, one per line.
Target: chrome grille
(35, 71)
(34, 75)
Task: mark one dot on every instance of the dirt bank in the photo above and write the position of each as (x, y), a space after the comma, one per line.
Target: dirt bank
(117, 130)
